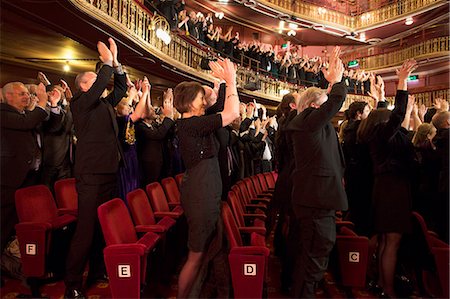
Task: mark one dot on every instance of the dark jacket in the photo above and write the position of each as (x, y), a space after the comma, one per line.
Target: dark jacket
(98, 148)
(18, 143)
(319, 161)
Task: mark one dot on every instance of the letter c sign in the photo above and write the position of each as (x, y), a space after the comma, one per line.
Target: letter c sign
(353, 257)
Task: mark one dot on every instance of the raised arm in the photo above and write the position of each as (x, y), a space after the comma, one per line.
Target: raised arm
(139, 112)
(226, 70)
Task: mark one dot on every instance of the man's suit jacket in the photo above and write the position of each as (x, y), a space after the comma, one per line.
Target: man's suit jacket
(57, 138)
(319, 162)
(98, 148)
(18, 143)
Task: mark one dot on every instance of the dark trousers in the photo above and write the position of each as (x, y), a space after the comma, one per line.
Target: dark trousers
(317, 235)
(8, 207)
(151, 172)
(51, 174)
(88, 241)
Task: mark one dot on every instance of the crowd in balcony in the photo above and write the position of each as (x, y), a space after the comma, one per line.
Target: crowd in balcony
(394, 159)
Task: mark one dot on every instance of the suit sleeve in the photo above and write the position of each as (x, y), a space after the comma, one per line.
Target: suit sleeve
(22, 122)
(145, 132)
(89, 99)
(396, 118)
(220, 104)
(318, 118)
(119, 91)
(55, 122)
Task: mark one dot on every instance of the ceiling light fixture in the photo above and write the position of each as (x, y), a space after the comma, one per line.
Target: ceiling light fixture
(409, 21)
(281, 24)
(66, 66)
(293, 26)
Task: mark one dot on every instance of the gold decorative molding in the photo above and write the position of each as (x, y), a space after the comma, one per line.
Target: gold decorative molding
(436, 47)
(427, 98)
(367, 20)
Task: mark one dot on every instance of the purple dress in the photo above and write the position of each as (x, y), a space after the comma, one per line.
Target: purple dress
(128, 174)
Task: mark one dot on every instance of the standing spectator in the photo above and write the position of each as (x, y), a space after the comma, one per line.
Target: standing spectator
(151, 137)
(317, 178)
(441, 121)
(392, 155)
(97, 161)
(57, 140)
(201, 189)
(20, 152)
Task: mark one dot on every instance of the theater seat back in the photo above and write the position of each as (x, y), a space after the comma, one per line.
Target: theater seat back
(66, 194)
(231, 227)
(270, 180)
(140, 208)
(179, 179)
(35, 204)
(116, 223)
(157, 197)
(170, 187)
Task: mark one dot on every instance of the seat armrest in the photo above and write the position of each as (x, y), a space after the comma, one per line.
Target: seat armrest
(253, 229)
(118, 249)
(250, 250)
(155, 228)
(167, 214)
(64, 211)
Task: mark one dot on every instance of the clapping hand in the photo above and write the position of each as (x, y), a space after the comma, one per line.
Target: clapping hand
(336, 67)
(42, 95)
(168, 103)
(406, 69)
(105, 54)
(224, 70)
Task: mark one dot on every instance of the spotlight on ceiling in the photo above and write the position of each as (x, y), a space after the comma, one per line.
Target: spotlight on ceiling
(291, 33)
(409, 21)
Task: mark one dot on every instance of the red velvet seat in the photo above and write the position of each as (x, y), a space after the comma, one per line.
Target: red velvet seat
(247, 207)
(249, 199)
(142, 214)
(254, 223)
(125, 255)
(248, 264)
(159, 203)
(270, 180)
(436, 283)
(43, 234)
(248, 182)
(172, 191)
(66, 196)
(264, 186)
(353, 254)
(179, 179)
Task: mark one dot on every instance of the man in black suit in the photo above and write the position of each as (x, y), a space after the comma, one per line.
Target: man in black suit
(57, 140)
(317, 178)
(20, 154)
(96, 164)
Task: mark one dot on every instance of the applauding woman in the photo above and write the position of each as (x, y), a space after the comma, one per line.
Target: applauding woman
(202, 186)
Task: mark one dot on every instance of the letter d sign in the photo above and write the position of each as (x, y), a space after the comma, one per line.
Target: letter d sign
(249, 269)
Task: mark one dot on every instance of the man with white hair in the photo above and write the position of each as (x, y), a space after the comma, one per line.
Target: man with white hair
(317, 190)
(20, 154)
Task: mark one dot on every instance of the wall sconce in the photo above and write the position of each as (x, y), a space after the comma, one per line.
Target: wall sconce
(162, 28)
(409, 21)
(219, 15)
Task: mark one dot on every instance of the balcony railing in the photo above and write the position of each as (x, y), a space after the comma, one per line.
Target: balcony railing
(133, 20)
(357, 22)
(427, 97)
(430, 48)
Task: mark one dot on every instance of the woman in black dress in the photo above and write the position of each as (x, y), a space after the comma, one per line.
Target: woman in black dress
(392, 154)
(202, 186)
